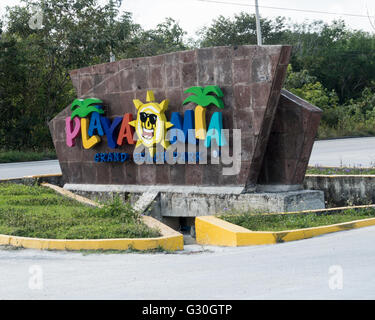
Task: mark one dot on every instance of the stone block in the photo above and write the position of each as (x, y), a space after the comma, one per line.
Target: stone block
(223, 72)
(172, 76)
(189, 75)
(127, 80)
(141, 74)
(205, 74)
(86, 84)
(292, 137)
(156, 77)
(156, 60)
(194, 174)
(103, 172)
(188, 56)
(205, 54)
(113, 83)
(242, 71)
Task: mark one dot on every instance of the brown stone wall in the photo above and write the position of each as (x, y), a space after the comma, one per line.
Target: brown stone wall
(290, 144)
(250, 77)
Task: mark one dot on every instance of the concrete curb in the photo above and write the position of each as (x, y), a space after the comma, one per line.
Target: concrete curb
(211, 230)
(170, 240)
(55, 178)
(71, 195)
(167, 243)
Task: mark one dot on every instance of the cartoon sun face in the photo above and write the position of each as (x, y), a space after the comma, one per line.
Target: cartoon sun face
(151, 124)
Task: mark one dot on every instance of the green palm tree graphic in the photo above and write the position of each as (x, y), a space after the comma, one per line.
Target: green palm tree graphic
(83, 107)
(201, 96)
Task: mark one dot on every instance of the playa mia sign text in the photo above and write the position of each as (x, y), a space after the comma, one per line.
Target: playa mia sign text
(159, 139)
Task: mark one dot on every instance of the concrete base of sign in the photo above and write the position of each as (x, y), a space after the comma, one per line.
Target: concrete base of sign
(188, 201)
(179, 205)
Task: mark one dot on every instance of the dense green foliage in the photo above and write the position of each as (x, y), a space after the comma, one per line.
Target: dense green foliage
(40, 212)
(241, 30)
(332, 66)
(34, 63)
(281, 222)
(7, 156)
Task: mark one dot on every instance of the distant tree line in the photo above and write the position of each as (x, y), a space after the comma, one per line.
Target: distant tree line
(332, 66)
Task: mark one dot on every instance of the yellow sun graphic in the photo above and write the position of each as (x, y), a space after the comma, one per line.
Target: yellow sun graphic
(151, 124)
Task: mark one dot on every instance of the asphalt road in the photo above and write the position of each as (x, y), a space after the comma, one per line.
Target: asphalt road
(22, 169)
(344, 152)
(349, 152)
(333, 266)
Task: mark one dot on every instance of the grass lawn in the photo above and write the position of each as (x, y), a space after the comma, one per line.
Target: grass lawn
(7, 156)
(40, 212)
(280, 222)
(340, 170)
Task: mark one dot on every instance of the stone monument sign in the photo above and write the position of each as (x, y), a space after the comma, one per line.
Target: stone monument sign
(204, 121)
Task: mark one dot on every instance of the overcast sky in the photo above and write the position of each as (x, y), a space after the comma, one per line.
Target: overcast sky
(193, 14)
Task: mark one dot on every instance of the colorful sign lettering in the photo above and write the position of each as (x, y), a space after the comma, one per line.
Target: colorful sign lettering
(150, 124)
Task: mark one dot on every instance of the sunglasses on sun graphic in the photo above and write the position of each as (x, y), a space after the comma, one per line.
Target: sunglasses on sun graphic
(151, 117)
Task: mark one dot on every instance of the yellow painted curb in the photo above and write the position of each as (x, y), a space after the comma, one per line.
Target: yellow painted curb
(211, 230)
(171, 243)
(170, 240)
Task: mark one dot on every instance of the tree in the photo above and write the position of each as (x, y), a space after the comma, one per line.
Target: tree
(298, 79)
(307, 87)
(342, 59)
(167, 37)
(35, 63)
(241, 30)
(14, 73)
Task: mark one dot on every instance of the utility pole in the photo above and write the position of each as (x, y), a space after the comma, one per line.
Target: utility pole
(112, 57)
(259, 31)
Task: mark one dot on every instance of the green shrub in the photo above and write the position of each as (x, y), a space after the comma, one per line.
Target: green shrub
(280, 222)
(40, 212)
